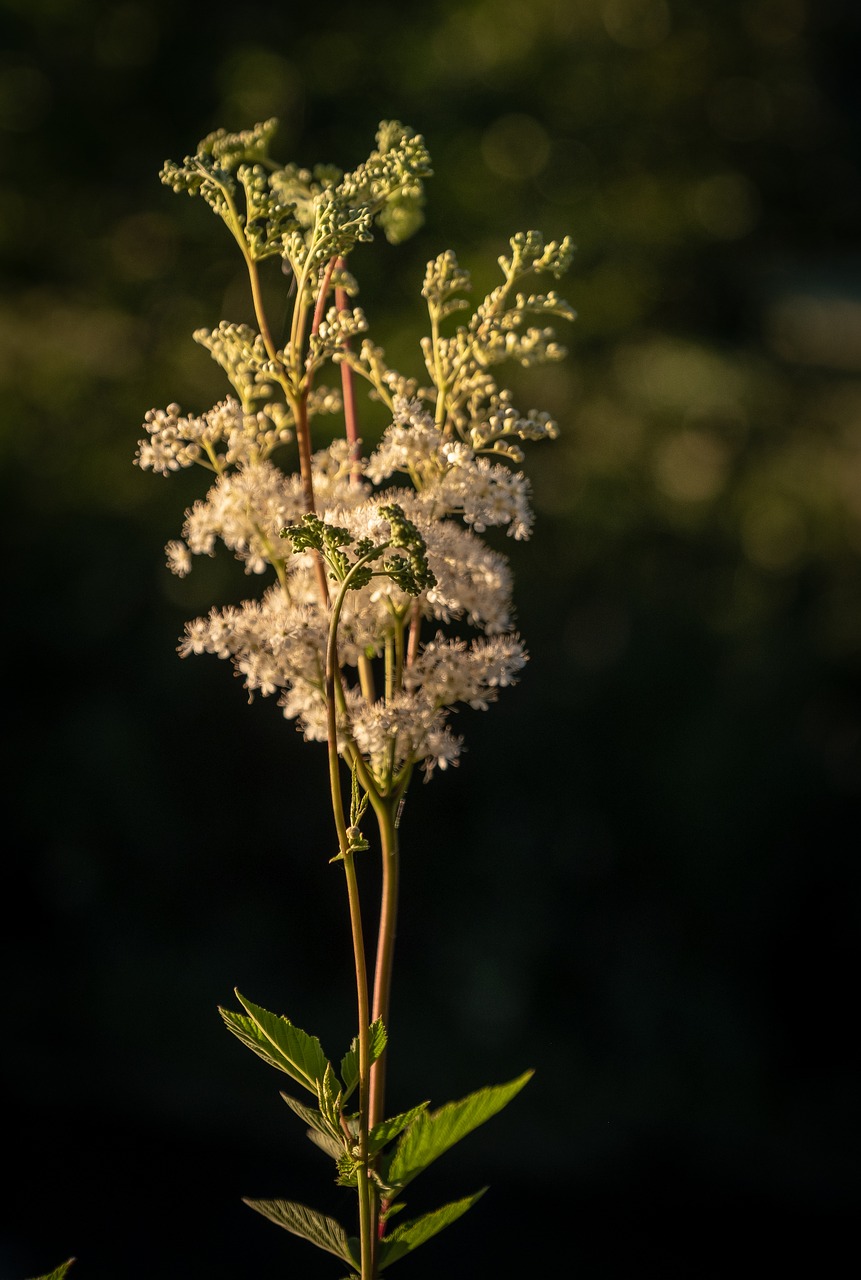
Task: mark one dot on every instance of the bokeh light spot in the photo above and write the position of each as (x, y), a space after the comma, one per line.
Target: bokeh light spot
(739, 109)
(636, 24)
(25, 98)
(258, 84)
(691, 466)
(516, 147)
(774, 533)
(727, 205)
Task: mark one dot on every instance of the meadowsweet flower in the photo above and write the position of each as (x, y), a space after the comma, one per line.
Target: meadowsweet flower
(357, 557)
(178, 558)
(174, 441)
(449, 476)
(485, 493)
(411, 444)
(449, 671)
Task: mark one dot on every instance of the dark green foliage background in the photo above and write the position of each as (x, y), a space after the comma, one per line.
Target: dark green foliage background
(642, 879)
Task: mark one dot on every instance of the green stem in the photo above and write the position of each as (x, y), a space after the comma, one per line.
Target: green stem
(441, 387)
(259, 310)
(366, 1226)
(386, 810)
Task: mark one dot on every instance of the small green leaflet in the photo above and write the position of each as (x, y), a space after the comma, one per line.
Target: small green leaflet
(409, 1235)
(329, 1095)
(59, 1272)
(326, 1144)
(319, 1130)
(324, 1232)
(382, 1133)
(435, 1131)
(312, 1118)
(279, 1043)
(350, 1060)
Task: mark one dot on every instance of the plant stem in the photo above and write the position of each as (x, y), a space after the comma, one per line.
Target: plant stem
(415, 633)
(366, 1226)
(322, 294)
(385, 809)
(366, 1231)
(348, 390)
(260, 311)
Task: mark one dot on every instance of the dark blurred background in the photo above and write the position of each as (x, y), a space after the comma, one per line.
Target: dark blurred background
(642, 879)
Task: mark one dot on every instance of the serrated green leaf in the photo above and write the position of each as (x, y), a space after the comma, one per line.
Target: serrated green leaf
(435, 1131)
(312, 1118)
(279, 1043)
(320, 1131)
(409, 1235)
(350, 1060)
(329, 1146)
(329, 1095)
(324, 1232)
(386, 1130)
(58, 1273)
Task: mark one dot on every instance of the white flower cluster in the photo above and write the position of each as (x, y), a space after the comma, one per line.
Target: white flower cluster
(176, 441)
(450, 478)
(246, 509)
(430, 489)
(277, 643)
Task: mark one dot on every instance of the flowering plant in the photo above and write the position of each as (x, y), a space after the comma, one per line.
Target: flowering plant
(362, 554)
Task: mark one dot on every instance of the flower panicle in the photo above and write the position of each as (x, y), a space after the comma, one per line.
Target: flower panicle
(401, 529)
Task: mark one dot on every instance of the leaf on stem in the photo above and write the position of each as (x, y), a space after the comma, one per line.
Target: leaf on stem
(350, 1060)
(386, 1130)
(334, 1150)
(324, 1232)
(59, 1272)
(320, 1129)
(279, 1043)
(409, 1235)
(435, 1131)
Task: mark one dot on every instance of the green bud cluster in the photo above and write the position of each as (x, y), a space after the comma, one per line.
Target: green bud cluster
(314, 534)
(444, 279)
(307, 216)
(411, 573)
(390, 182)
(529, 253)
(210, 171)
(337, 328)
(241, 353)
(268, 220)
(499, 330)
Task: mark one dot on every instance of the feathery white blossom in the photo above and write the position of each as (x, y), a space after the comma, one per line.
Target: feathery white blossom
(449, 483)
(450, 478)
